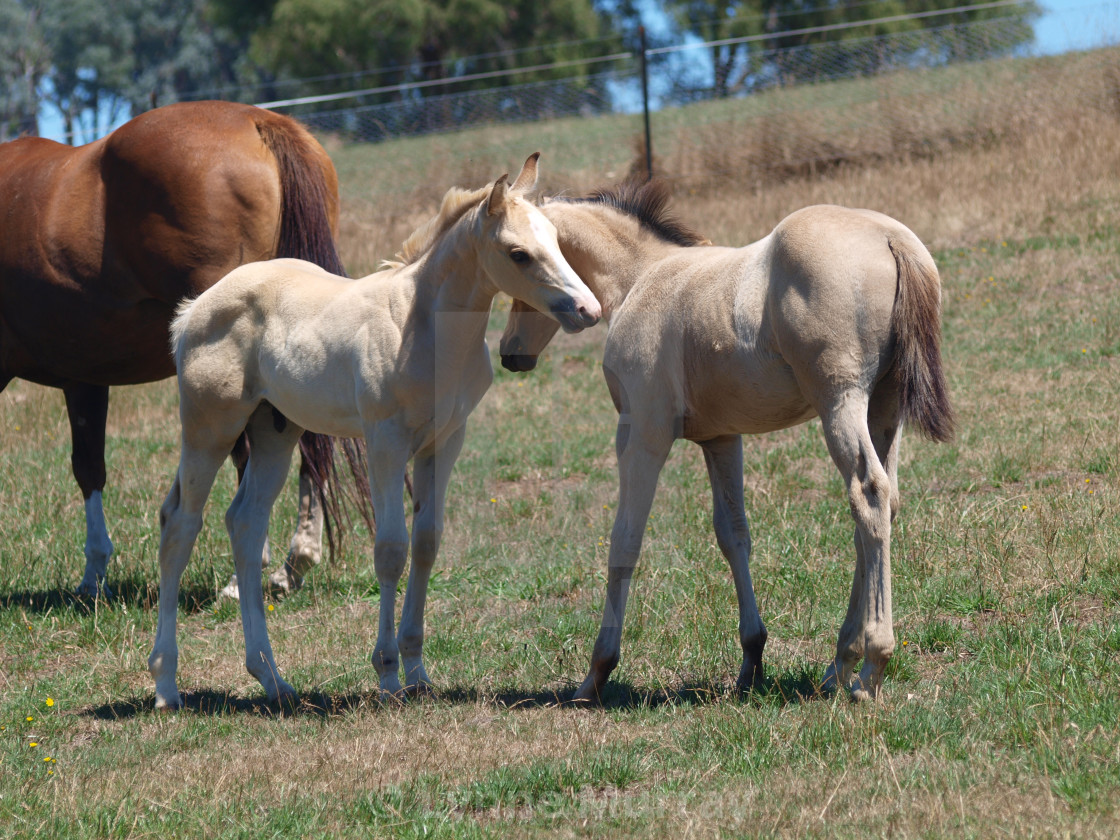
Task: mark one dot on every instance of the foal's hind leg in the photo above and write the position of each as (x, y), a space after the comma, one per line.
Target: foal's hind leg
(272, 439)
(180, 520)
(724, 458)
(87, 407)
(306, 548)
(882, 423)
(868, 627)
(239, 454)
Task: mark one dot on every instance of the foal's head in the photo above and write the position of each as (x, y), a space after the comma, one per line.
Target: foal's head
(589, 240)
(521, 256)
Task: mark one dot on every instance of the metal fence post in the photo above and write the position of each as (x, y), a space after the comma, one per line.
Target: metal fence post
(645, 104)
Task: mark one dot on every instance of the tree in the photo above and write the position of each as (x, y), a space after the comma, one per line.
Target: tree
(24, 61)
(404, 40)
(826, 46)
(89, 63)
(176, 52)
(96, 61)
(310, 38)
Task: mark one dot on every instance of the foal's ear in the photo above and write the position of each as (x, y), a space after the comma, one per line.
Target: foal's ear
(498, 196)
(528, 177)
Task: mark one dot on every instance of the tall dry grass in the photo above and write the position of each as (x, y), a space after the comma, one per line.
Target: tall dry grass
(1003, 149)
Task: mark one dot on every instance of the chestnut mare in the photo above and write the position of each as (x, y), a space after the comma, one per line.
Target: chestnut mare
(100, 243)
(836, 314)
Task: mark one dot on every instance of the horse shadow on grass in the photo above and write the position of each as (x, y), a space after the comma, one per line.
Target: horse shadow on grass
(788, 688)
(139, 594)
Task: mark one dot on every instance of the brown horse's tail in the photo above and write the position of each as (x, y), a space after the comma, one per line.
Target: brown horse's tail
(916, 324)
(308, 220)
(308, 203)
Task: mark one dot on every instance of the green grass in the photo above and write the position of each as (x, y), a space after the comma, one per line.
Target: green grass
(999, 709)
(1000, 705)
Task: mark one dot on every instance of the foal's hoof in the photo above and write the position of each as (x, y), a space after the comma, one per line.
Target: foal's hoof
(865, 688)
(837, 678)
(168, 702)
(424, 688)
(283, 695)
(286, 701)
(750, 677)
(100, 589)
(392, 698)
(587, 695)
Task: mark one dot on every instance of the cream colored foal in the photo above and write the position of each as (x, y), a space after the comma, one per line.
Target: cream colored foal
(398, 358)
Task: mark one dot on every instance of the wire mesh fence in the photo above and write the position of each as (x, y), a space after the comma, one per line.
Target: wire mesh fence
(748, 109)
(589, 96)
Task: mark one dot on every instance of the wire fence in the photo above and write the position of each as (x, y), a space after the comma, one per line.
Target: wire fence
(774, 109)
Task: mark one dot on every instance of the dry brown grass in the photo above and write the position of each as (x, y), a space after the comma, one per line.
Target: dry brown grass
(995, 154)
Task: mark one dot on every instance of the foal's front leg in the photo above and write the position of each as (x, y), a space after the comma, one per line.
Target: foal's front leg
(642, 448)
(430, 476)
(388, 454)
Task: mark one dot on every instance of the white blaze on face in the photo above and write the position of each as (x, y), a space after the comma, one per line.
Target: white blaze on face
(545, 233)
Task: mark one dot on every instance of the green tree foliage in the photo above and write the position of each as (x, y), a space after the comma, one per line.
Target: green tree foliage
(826, 46)
(406, 40)
(24, 61)
(309, 38)
(305, 48)
(95, 61)
(90, 61)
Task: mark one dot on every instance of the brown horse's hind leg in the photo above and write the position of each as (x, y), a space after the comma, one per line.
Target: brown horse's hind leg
(724, 458)
(868, 627)
(306, 548)
(87, 407)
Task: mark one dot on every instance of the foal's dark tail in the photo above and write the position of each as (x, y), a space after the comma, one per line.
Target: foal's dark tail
(916, 324)
(308, 219)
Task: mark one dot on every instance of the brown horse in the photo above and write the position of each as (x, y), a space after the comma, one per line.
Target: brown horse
(100, 243)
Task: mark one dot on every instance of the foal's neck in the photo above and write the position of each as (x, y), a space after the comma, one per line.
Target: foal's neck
(450, 280)
(452, 289)
(608, 250)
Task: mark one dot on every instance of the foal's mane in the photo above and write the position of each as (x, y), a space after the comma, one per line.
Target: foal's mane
(648, 203)
(456, 202)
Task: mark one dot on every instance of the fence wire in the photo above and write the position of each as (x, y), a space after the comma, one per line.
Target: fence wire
(770, 112)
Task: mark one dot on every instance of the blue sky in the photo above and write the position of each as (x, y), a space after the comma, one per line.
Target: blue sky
(1076, 25)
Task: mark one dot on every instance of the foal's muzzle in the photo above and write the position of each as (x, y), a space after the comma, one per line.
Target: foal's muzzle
(513, 358)
(575, 318)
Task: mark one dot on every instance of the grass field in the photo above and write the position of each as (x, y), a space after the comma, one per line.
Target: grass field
(999, 714)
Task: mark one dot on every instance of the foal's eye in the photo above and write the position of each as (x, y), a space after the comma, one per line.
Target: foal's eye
(519, 256)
